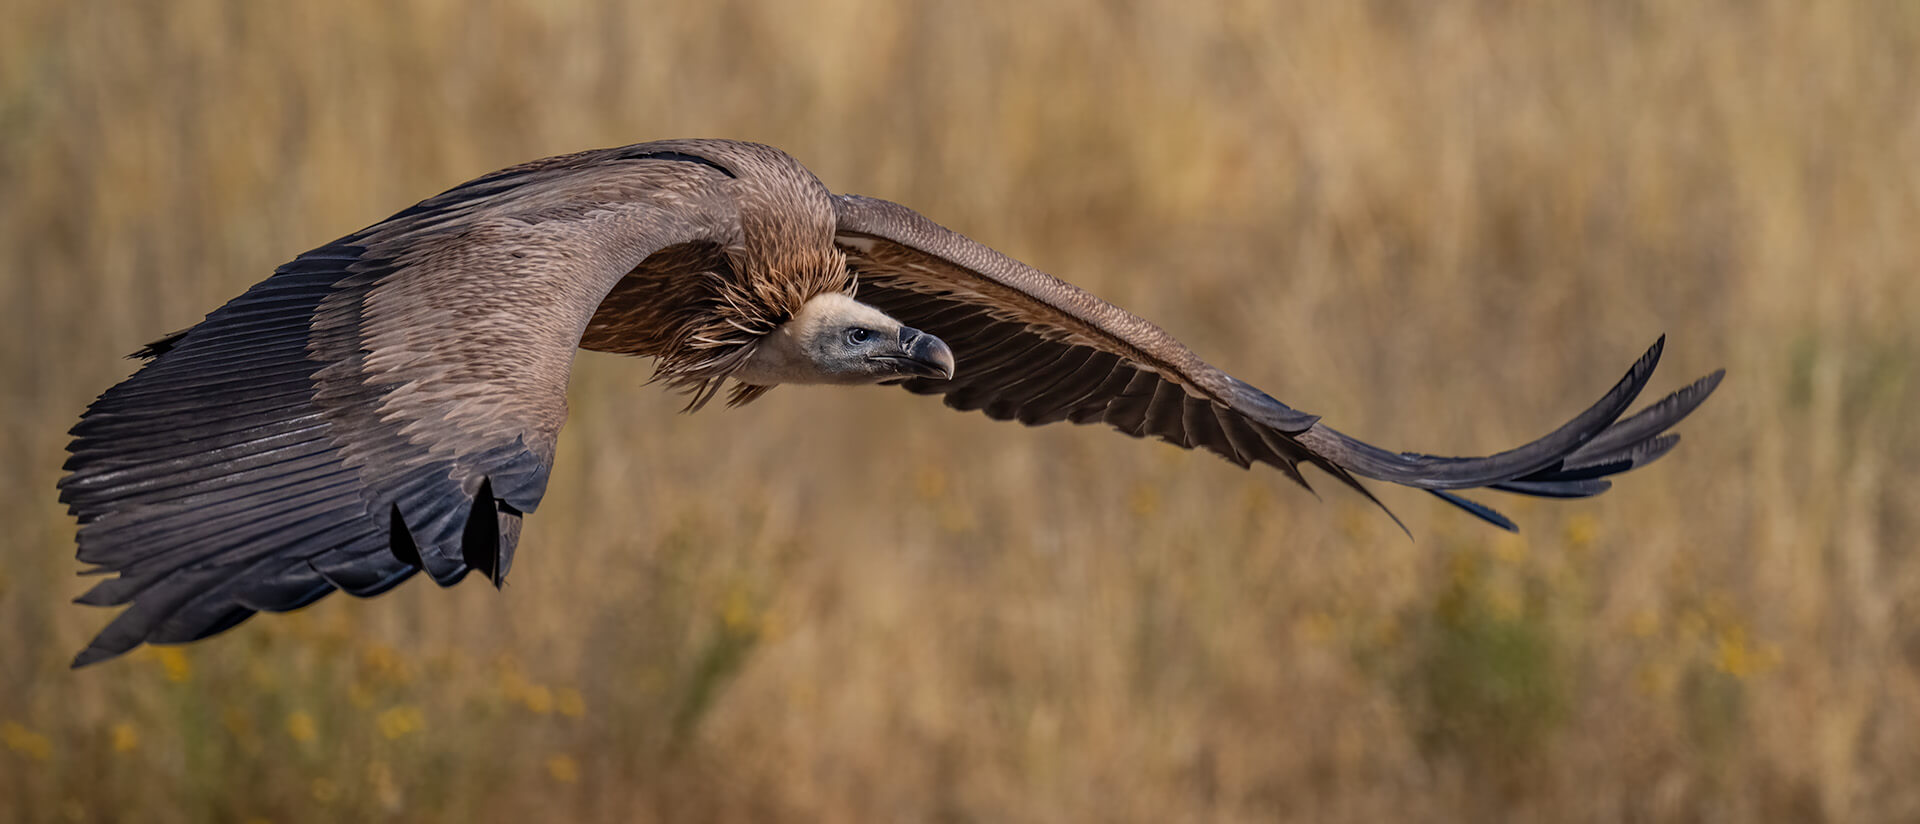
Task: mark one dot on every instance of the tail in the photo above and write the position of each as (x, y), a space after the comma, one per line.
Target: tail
(1573, 461)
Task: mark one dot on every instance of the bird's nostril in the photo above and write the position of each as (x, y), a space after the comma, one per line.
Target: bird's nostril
(907, 334)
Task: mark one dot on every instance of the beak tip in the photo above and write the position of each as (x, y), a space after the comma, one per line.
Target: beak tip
(941, 357)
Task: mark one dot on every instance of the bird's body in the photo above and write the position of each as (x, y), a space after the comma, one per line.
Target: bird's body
(389, 402)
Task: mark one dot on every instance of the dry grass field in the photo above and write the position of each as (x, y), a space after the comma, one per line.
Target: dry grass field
(1443, 227)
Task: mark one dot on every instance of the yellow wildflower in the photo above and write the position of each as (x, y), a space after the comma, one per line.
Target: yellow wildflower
(399, 721)
(1314, 628)
(174, 663)
(538, 699)
(385, 664)
(25, 741)
(125, 737)
(737, 613)
(1735, 655)
(930, 482)
(1144, 500)
(300, 726)
(1581, 530)
(771, 627)
(1355, 523)
(1645, 623)
(568, 701)
(512, 684)
(563, 769)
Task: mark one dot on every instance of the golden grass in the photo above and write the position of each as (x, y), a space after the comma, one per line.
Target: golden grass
(1442, 227)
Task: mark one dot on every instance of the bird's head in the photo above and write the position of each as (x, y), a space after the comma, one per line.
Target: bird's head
(835, 339)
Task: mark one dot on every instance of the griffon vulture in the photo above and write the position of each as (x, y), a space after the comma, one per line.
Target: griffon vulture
(389, 402)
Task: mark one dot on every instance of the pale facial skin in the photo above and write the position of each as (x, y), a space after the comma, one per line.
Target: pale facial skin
(835, 339)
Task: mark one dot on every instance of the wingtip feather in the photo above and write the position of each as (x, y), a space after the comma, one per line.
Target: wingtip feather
(93, 655)
(1478, 510)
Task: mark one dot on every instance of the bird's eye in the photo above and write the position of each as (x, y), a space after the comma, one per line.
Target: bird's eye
(857, 336)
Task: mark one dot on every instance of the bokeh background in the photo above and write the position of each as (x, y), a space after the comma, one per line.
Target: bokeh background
(1441, 226)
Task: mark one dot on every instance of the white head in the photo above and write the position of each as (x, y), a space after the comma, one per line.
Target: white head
(835, 339)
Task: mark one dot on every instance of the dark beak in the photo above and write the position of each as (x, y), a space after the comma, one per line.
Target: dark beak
(922, 355)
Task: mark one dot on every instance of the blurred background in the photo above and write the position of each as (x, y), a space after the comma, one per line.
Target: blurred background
(1442, 227)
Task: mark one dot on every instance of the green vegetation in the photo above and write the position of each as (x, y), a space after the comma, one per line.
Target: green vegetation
(1441, 226)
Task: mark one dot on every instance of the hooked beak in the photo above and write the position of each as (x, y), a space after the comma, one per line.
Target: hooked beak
(921, 355)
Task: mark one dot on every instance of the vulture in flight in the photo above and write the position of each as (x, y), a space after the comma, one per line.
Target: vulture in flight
(388, 403)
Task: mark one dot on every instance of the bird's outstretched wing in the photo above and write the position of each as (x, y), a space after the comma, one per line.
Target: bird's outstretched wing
(1035, 349)
(385, 403)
